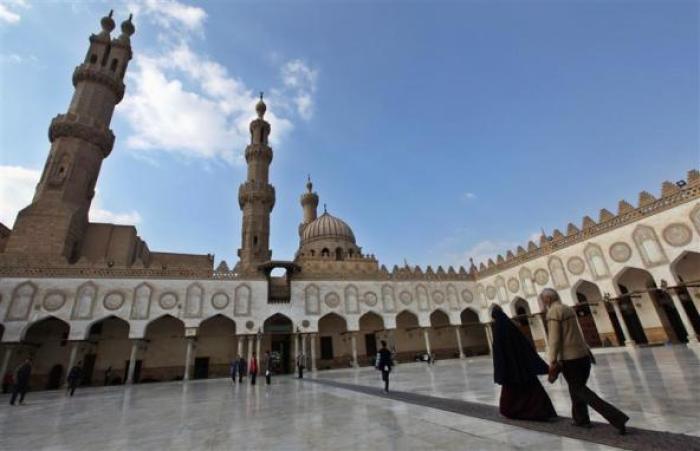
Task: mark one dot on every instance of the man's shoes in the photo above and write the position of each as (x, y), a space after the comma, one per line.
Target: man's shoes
(622, 429)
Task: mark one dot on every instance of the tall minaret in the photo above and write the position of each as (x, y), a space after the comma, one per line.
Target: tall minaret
(256, 197)
(54, 224)
(309, 203)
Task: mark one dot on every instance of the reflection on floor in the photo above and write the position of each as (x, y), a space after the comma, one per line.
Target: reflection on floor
(656, 387)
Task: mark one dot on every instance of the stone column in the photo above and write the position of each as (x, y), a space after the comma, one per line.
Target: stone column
(625, 332)
(6, 360)
(313, 351)
(75, 347)
(353, 343)
(303, 350)
(692, 336)
(295, 337)
(239, 345)
(427, 341)
(489, 337)
(188, 358)
(249, 349)
(258, 345)
(132, 361)
(458, 334)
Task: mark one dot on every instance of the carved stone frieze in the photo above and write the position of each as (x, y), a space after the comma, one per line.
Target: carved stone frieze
(86, 72)
(65, 126)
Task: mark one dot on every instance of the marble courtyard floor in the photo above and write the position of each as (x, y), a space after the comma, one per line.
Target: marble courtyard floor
(656, 387)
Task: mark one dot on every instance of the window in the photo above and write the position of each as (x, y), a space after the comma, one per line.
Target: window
(255, 240)
(325, 252)
(313, 252)
(113, 66)
(338, 254)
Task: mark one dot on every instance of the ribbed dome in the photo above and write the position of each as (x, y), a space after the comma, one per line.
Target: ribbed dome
(327, 227)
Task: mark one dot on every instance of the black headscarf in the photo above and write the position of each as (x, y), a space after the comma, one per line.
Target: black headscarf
(515, 361)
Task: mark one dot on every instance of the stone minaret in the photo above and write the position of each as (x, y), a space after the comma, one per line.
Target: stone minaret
(256, 197)
(309, 203)
(54, 224)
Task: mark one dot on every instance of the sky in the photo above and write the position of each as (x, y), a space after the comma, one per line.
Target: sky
(438, 131)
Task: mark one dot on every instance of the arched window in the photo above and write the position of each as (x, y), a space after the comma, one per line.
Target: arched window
(113, 66)
(325, 252)
(313, 252)
(338, 254)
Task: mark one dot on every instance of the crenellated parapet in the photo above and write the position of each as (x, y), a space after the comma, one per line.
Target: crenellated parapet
(672, 194)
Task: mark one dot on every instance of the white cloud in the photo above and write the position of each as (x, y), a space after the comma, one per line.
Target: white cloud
(300, 79)
(14, 58)
(468, 196)
(170, 13)
(9, 10)
(17, 185)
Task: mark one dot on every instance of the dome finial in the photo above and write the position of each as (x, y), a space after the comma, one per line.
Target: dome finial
(260, 108)
(128, 27)
(309, 185)
(325, 210)
(107, 22)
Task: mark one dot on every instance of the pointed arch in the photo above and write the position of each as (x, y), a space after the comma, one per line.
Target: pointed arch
(21, 302)
(120, 322)
(85, 300)
(439, 317)
(194, 301)
(141, 304)
(388, 298)
(649, 246)
(46, 320)
(527, 282)
(556, 269)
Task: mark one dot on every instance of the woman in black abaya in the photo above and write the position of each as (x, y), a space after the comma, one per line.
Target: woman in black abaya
(516, 365)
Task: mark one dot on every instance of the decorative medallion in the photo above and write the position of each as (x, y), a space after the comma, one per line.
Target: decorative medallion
(620, 252)
(305, 323)
(249, 325)
(332, 300)
(113, 300)
(54, 301)
(541, 276)
(491, 292)
(220, 300)
(467, 296)
(513, 285)
(438, 297)
(575, 265)
(167, 301)
(370, 299)
(405, 297)
(677, 234)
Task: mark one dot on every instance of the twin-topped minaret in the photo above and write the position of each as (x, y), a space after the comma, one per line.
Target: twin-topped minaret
(53, 226)
(256, 197)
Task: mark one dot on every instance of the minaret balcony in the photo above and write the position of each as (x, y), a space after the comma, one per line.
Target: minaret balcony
(102, 75)
(260, 152)
(254, 192)
(73, 126)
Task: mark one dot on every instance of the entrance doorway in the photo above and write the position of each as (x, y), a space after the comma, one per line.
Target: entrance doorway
(586, 321)
(55, 377)
(201, 368)
(88, 368)
(279, 327)
(371, 346)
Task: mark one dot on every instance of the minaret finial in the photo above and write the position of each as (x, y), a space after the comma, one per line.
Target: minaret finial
(260, 108)
(107, 23)
(128, 28)
(261, 95)
(309, 185)
(325, 210)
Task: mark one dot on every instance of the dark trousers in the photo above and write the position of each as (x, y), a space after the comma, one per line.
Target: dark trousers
(268, 377)
(72, 388)
(576, 373)
(240, 377)
(20, 390)
(301, 372)
(252, 378)
(233, 378)
(385, 378)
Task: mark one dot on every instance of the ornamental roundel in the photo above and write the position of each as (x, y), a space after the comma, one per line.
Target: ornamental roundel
(167, 301)
(370, 299)
(249, 325)
(677, 234)
(620, 252)
(54, 301)
(467, 296)
(438, 297)
(575, 265)
(220, 300)
(491, 292)
(405, 297)
(513, 285)
(113, 300)
(541, 276)
(305, 323)
(332, 300)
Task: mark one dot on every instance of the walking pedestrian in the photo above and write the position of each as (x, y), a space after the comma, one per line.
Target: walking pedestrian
(253, 369)
(74, 377)
(384, 364)
(233, 369)
(300, 366)
(108, 375)
(569, 354)
(241, 369)
(268, 367)
(23, 373)
(516, 366)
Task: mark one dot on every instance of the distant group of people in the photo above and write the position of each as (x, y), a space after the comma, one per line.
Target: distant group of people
(517, 365)
(239, 368)
(19, 382)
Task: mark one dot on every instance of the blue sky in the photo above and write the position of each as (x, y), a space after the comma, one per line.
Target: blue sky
(437, 130)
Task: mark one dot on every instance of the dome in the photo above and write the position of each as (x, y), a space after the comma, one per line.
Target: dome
(327, 227)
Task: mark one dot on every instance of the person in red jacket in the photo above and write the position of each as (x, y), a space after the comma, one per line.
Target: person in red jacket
(253, 369)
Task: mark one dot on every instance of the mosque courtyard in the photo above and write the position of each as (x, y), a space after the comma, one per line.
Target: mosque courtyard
(344, 409)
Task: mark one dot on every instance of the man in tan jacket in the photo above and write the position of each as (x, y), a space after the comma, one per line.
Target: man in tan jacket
(569, 352)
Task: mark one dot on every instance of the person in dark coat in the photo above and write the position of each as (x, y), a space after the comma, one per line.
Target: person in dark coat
(300, 365)
(241, 368)
(268, 367)
(24, 372)
(384, 364)
(233, 369)
(516, 366)
(75, 375)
